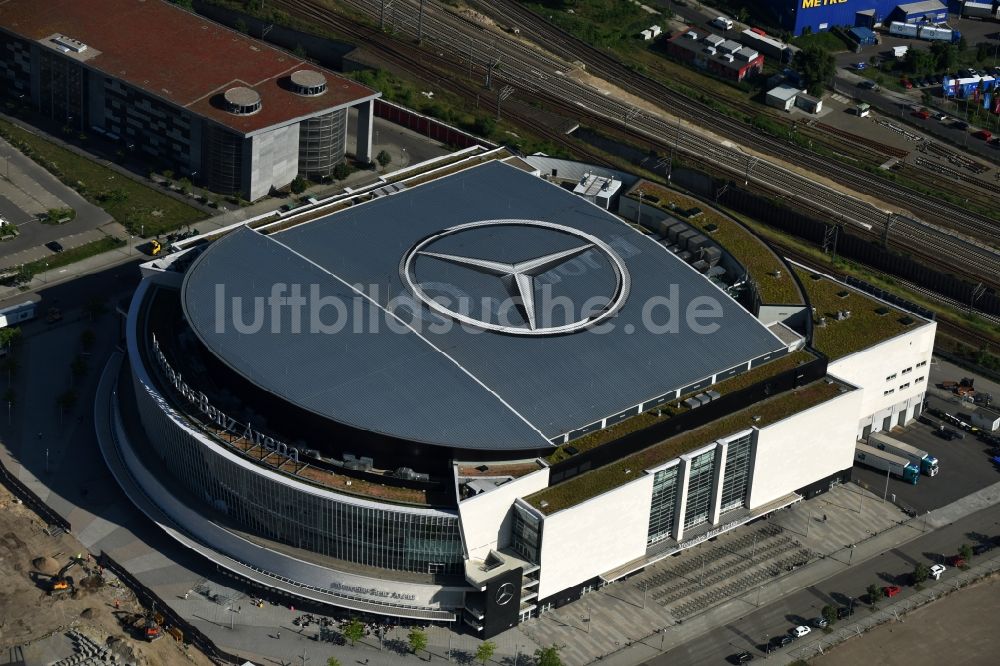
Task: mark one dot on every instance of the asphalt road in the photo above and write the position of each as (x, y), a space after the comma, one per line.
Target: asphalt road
(753, 630)
(116, 282)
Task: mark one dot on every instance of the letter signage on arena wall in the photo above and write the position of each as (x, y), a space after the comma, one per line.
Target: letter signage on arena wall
(217, 416)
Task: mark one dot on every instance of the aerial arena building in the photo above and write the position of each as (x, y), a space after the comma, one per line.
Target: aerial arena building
(471, 395)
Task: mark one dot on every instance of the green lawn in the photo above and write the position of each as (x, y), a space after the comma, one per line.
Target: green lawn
(75, 254)
(827, 40)
(131, 203)
(591, 484)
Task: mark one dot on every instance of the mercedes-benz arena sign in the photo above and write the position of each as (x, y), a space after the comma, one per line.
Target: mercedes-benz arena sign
(518, 279)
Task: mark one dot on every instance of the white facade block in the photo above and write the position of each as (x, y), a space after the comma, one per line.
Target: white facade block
(486, 518)
(891, 375)
(804, 448)
(595, 536)
(274, 161)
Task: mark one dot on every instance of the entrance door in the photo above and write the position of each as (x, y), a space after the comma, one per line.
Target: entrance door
(902, 418)
(867, 431)
(887, 423)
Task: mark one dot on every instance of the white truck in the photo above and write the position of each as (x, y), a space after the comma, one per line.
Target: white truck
(927, 463)
(886, 462)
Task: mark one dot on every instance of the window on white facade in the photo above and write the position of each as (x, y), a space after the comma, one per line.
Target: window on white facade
(891, 377)
(888, 392)
(918, 380)
(904, 386)
(921, 364)
(907, 370)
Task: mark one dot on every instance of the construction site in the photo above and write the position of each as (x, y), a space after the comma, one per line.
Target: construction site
(59, 606)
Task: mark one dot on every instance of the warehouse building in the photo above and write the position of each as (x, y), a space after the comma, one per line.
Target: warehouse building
(447, 447)
(724, 57)
(186, 94)
(800, 16)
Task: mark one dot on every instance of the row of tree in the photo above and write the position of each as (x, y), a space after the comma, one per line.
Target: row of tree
(354, 631)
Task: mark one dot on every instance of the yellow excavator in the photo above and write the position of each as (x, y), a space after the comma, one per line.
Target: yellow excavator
(61, 582)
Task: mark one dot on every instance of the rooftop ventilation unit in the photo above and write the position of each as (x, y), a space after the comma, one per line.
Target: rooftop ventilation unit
(242, 101)
(308, 82)
(69, 44)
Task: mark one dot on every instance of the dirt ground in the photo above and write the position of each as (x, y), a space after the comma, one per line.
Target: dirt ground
(958, 629)
(35, 621)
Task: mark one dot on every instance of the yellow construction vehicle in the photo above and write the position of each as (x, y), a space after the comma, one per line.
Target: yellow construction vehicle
(61, 582)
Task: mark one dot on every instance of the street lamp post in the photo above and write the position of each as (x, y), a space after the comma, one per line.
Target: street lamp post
(886, 492)
(851, 557)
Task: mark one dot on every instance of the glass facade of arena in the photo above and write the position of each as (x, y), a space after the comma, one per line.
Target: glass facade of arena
(661, 514)
(737, 474)
(424, 541)
(527, 533)
(699, 494)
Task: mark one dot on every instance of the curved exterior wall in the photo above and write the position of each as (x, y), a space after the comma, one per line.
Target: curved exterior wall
(322, 144)
(280, 508)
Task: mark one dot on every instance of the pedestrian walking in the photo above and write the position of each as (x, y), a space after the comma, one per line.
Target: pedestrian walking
(278, 635)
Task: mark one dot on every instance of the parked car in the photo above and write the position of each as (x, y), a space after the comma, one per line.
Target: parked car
(740, 657)
(960, 124)
(985, 135)
(844, 612)
(948, 434)
(937, 570)
(819, 622)
(891, 590)
(981, 548)
(799, 631)
(906, 83)
(923, 114)
(722, 23)
(781, 641)
(55, 246)
(956, 561)
(860, 65)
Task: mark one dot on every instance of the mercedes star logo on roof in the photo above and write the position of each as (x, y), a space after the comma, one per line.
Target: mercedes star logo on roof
(518, 278)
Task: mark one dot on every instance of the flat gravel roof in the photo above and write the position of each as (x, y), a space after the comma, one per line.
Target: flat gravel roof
(510, 379)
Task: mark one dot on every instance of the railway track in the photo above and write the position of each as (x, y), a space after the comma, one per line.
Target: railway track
(883, 148)
(546, 78)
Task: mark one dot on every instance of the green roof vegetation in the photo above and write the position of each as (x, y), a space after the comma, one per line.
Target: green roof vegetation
(669, 410)
(762, 264)
(871, 321)
(591, 484)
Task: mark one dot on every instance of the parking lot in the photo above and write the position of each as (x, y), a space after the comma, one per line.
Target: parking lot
(965, 467)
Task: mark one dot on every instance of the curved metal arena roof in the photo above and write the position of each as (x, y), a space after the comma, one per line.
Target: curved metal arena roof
(487, 310)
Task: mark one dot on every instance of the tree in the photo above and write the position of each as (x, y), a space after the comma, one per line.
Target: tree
(874, 594)
(920, 573)
(548, 656)
(354, 630)
(743, 15)
(945, 55)
(965, 550)
(383, 158)
(817, 65)
(299, 185)
(95, 307)
(418, 639)
(184, 184)
(9, 338)
(300, 51)
(65, 401)
(87, 339)
(829, 614)
(341, 171)
(241, 26)
(78, 367)
(332, 661)
(485, 651)
(919, 61)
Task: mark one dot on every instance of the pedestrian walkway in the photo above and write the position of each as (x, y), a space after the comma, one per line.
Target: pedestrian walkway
(682, 596)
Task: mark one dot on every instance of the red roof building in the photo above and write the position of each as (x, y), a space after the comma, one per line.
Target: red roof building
(723, 57)
(195, 96)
